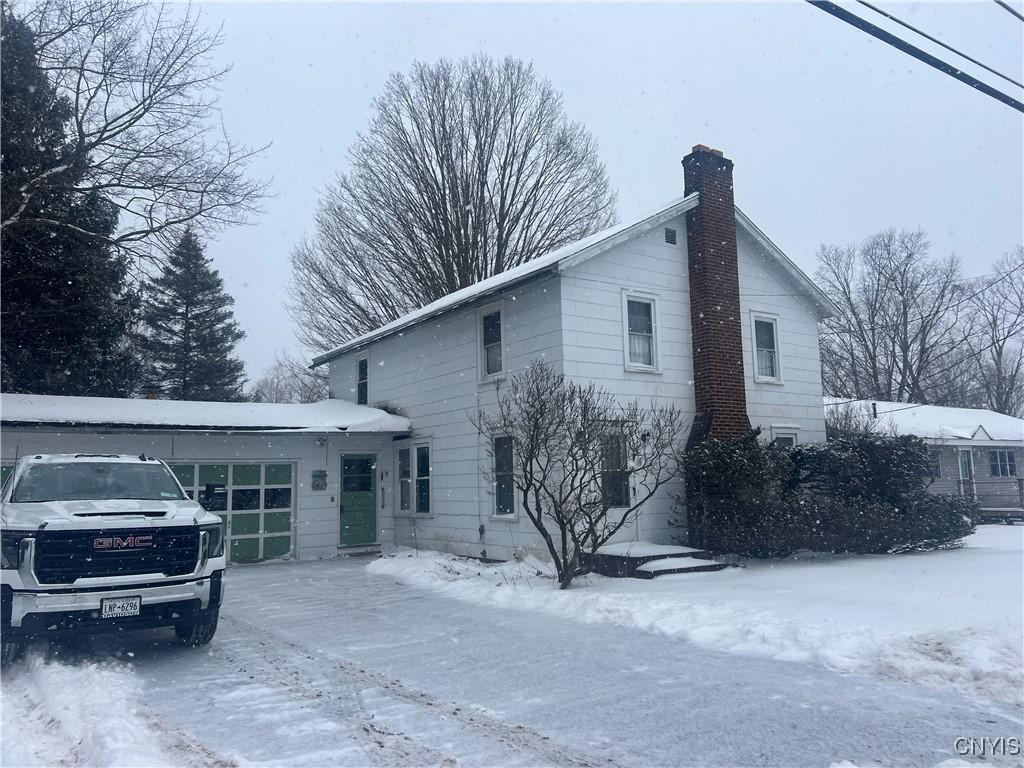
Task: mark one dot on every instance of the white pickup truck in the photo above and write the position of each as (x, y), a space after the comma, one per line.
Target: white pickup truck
(93, 543)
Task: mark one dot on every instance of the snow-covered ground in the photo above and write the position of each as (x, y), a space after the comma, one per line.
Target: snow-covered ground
(946, 618)
(335, 663)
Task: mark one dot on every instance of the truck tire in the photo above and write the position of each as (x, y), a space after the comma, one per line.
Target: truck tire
(199, 632)
(9, 652)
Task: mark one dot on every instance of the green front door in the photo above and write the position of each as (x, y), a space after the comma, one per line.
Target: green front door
(358, 499)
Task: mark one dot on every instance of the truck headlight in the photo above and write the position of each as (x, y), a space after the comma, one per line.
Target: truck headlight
(214, 539)
(10, 546)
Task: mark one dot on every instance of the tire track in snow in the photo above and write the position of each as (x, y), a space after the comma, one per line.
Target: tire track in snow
(290, 662)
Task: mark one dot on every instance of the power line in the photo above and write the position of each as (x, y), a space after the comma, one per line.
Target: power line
(935, 40)
(954, 305)
(917, 53)
(1008, 8)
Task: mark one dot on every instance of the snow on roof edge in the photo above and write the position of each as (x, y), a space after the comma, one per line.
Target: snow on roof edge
(937, 422)
(326, 415)
(548, 261)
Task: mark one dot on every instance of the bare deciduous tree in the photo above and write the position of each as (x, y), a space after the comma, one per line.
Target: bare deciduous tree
(583, 464)
(995, 337)
(897, 335)
(144, 128)
(290, 381)
(468, 168)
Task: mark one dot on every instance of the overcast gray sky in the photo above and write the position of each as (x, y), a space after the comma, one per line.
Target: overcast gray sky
(834, 134)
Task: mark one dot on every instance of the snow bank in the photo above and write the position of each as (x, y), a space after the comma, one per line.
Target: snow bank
(948, 618)
(56, 714)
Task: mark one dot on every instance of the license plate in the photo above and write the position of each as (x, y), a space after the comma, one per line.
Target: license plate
(116, 607)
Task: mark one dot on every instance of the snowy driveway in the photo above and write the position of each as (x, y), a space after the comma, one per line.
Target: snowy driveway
(322, 663)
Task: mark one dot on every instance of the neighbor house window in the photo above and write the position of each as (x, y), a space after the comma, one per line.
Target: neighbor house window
(362, 381)
(936, 458)
(614, 472)
(640, 327)
(492, 343)
(504, 490)
(785, 440)
(423, 479)
(404, 479)
(766, 348)
(1002, 463)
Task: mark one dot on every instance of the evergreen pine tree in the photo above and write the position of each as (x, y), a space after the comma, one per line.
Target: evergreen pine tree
(189, 331)
(65, 307)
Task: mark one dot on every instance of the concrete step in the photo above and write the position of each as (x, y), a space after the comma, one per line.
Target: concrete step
(668, 565)
(622, 560)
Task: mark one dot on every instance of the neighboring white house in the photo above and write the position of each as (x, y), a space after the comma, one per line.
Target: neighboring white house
(977, 453)
(690, 303)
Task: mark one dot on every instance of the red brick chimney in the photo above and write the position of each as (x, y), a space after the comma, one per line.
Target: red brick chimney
(714, 298)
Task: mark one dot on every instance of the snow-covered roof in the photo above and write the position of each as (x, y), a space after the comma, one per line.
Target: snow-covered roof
(936, 422)
(572, 254)
(325, 416)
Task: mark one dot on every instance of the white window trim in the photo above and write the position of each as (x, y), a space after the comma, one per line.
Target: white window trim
(415, 476)
(365, 356)
(404, 445)
(652, 299)
(774, 320)
(490, 309)
(494, 502)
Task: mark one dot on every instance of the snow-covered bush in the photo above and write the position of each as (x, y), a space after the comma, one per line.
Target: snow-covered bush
(857, 494)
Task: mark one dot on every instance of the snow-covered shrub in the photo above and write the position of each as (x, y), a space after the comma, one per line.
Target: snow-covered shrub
(861, 494)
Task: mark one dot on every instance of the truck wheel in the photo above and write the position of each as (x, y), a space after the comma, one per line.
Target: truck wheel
(9, 652)
(199, 632)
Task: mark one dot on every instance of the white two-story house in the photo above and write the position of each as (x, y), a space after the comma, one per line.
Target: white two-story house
(691, 303)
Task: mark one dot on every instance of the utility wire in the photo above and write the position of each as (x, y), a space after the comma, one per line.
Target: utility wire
(919, 318)
(925, 35)
(917, 53)
(1009, 9)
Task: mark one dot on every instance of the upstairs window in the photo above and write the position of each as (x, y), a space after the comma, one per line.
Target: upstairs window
(1002, 463)
(492, 343)
(766, 349)
(614, 471)
(640, 325)
(362, 381)
(504, 489)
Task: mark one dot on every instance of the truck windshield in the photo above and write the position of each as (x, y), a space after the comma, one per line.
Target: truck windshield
(94, 481)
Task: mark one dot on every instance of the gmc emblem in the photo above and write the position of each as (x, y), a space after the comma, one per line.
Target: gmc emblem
(128, 542)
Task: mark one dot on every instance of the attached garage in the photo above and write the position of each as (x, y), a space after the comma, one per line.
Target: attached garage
(305, 481)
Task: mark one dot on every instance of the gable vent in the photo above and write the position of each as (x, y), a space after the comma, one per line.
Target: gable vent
(670, 235)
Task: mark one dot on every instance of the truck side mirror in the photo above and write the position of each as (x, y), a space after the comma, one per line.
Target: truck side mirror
(210, 502)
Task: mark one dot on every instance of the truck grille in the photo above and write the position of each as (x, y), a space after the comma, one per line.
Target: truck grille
(63, 556)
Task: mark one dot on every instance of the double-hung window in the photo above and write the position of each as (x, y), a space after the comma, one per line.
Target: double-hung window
(766, 349)
(492, 343)
(640, 329)
(362, 380)
(1002, 463)
(504, 488)
(423, 479)
(405, 480)
(614, 470)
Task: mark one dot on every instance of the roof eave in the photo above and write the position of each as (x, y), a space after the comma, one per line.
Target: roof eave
(571, 259)
(826, 306)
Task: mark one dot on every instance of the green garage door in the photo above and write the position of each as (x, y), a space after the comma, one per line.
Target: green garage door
(257, 508)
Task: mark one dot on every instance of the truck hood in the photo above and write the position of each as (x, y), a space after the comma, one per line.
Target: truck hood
(110, 513)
